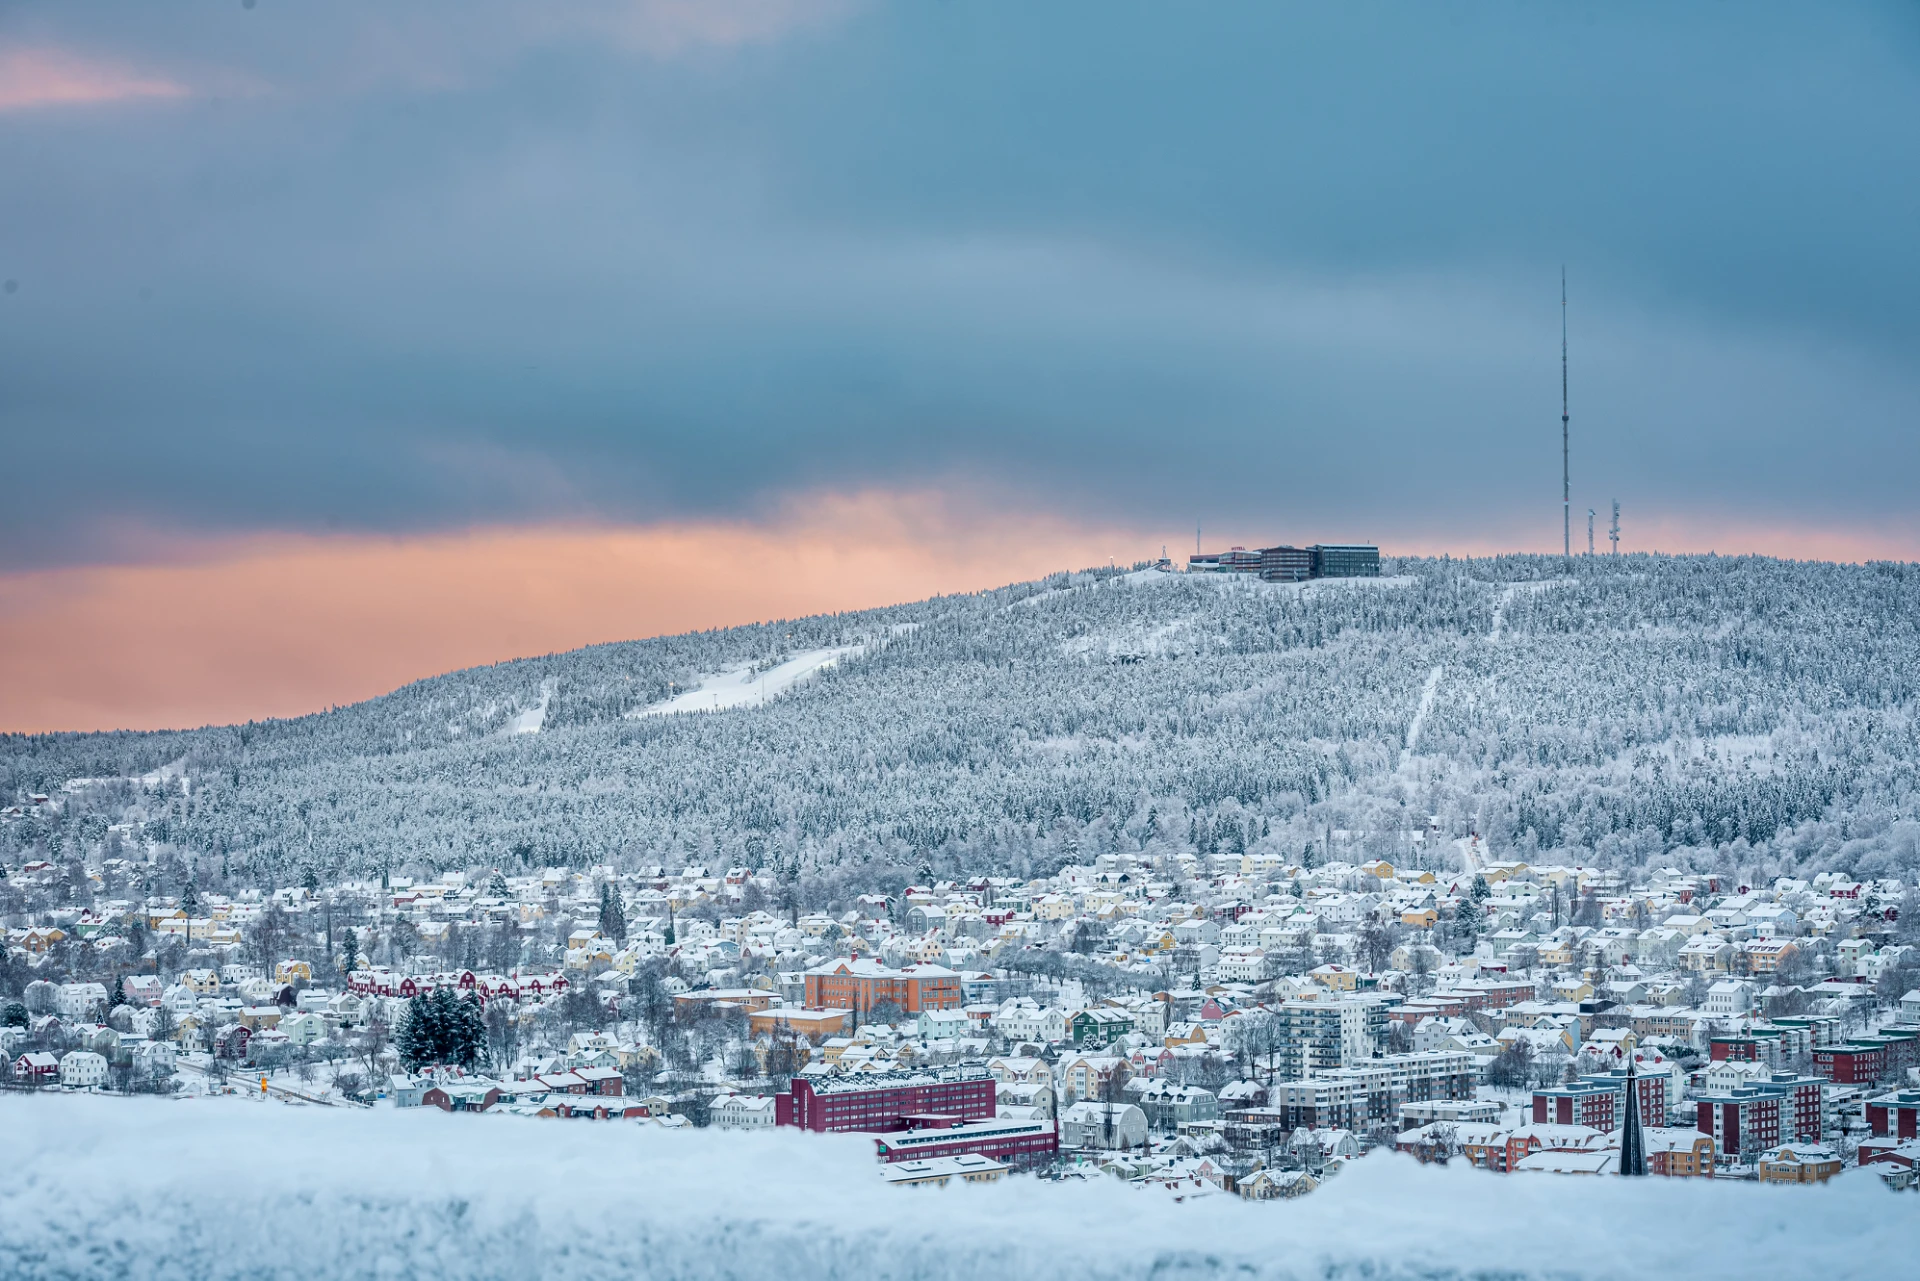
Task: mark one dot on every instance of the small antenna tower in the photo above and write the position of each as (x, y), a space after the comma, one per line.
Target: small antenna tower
(1566, 488)
(1615, 535)
(1589, 531)
(1196, 538)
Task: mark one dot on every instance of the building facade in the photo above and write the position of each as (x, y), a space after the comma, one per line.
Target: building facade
(879, 1102)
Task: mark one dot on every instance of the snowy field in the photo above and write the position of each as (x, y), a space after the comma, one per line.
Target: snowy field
(745, 687)
(216, 1189)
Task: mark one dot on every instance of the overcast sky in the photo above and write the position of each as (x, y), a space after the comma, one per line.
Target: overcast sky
(299, 271)
(307, 267)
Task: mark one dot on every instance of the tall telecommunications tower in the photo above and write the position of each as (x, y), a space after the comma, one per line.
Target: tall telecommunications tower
(1589, 531)
(1566, 487)
(1615, 535)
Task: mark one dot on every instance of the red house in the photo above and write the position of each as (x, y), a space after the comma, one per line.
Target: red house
(36, 1069)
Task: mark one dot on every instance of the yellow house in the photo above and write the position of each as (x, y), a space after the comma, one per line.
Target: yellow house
(1421, 918)
(1420, 878)
(1336, 978)
(1799, 1163)
(1380, 868)
(1053, 907)
(201, 982)
(292, 971)
(1573, 989)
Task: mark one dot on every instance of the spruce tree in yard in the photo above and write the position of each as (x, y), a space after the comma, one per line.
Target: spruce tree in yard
(415, 1041)
(350, 951)
(443, 1028)
(613, 915)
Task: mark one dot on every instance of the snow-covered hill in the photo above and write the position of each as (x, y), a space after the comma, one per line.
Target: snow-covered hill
(1720, 713)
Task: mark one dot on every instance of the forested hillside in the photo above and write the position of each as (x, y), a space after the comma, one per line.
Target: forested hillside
(1719, 713)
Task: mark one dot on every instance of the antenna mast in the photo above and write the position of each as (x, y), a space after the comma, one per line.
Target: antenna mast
(1615, 535)
(1566, 488)
(1589, 531)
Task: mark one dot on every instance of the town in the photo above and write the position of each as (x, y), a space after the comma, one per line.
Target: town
(1198, 1025)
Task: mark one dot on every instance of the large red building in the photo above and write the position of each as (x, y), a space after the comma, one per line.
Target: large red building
(1895, 1116)
(1017, 1143)
(879, 1102)
(861, 985)
(1751, 1118)
(1855, 1063)
(1599, 1100)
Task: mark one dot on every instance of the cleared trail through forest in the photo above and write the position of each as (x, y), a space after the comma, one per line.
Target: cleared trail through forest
(1420, 715)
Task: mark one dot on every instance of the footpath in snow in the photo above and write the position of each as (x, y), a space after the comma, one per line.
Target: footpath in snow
(214, 1189)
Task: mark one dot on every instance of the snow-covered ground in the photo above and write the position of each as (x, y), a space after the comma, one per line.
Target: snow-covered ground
(1419, 722)
(744, 687)
(531, 720)
(214, 1189)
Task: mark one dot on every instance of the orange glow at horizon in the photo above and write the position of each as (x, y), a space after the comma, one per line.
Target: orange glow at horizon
(283, 626)
(287, 625)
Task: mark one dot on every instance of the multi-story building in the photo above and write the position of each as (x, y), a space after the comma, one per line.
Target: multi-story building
(1286, 564)
(860, 985)
(1852, 1063)
(1752, 1118)
(1237, 560)
(1345, 560)
(1599, 1100)
(1319, 1036)
(879, 1102)
(1017, 1143)
(1373, 1091)
(1895, 1116)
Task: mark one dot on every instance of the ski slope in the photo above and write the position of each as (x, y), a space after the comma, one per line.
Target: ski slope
(744, 687)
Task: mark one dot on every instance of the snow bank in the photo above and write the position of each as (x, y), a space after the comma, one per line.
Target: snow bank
(222, 1188)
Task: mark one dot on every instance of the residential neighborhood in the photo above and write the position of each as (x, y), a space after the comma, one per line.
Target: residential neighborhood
(1194, 1026)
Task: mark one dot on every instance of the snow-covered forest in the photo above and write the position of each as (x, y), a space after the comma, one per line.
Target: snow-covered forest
(1711, 713)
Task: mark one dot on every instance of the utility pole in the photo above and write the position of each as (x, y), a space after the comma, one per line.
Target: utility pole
(1566, 487)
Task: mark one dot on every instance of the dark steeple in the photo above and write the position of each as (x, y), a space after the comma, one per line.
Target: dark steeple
(1633, 1145)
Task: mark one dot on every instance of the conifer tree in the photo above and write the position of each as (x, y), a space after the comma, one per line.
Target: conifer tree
(613, 914)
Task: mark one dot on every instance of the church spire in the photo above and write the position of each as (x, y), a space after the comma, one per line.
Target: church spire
(1633, 1145)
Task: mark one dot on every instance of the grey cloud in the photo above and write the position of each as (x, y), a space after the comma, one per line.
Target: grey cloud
(1263, 263)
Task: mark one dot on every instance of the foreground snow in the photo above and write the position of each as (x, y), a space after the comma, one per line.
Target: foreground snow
(116, 1188)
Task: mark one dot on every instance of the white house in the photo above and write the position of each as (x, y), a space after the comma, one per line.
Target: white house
(83, 1068)
(942, 1025)
(1729, 998)
(77, 1000)
(743, 1112)
(304, 1029)
(1103, 1125)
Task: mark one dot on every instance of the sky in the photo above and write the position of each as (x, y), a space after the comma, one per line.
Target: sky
(344, 344)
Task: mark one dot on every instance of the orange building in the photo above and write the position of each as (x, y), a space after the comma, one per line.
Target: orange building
(860, 985)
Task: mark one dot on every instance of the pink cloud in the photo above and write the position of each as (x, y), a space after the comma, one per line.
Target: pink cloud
(32, 78)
